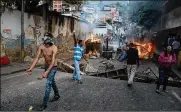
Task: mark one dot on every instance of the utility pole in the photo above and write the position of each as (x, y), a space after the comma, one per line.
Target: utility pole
(0, 18)
(22, 31)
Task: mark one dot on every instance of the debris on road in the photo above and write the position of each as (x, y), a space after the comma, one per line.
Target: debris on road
(66, 67)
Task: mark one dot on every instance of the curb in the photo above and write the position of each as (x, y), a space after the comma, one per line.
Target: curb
(14, 72)
(17, 71)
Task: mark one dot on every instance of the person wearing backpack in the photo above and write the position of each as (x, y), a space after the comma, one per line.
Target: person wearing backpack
(123, 55)
(166, 60)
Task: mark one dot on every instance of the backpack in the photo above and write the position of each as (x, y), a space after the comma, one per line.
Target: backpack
(123, 56)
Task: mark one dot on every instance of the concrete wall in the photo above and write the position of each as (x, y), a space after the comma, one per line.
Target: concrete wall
(35, 27)
(169, 20)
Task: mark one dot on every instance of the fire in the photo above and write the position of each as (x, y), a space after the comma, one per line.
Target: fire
(93, 53)
(94, 39)
(93, 45)
(145, 50)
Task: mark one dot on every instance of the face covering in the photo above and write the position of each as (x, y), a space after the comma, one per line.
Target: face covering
(44, 38)
(47, 40)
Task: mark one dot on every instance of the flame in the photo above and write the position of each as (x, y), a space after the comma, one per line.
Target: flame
(93, 53)
(144, 49)
(94, 39)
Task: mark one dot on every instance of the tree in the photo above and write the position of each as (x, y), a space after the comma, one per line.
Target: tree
(31, 4)
(109, 21)
(16, 4)
(75, 2)
(145, 13)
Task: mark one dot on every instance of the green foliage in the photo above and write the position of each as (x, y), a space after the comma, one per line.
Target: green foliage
(108, 21)
(29, 4)
(146, 13)
(75, 1)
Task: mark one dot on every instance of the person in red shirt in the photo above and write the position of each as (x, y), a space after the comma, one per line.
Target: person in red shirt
(166, 60)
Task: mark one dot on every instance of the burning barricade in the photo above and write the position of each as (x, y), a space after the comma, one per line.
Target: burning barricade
(93, 47)
(145, 49)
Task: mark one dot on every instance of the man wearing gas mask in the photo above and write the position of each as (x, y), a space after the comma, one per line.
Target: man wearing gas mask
(48, 50)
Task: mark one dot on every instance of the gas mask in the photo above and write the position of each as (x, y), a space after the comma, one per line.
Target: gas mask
(48, 40)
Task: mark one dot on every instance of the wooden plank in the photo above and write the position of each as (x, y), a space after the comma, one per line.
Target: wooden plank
(114, 77)
(176, 72)
(64, 65)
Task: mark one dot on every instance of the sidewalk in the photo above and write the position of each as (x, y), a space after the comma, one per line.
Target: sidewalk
(13, 68)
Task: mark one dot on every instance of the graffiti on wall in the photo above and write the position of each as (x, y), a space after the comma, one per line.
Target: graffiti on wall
(7, 34)
(34, 31)
(29, 32)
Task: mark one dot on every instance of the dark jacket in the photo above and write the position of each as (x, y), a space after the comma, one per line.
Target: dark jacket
(132, 56)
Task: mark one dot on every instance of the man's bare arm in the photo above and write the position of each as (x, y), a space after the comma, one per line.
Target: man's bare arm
(53, 60)
(37, 58)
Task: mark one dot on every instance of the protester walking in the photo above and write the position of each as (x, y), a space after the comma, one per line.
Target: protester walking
(132, 63)
(166, 60)
(49, 51)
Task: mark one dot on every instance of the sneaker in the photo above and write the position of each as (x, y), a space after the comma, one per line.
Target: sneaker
(55, 98)
(42, 107)
(129, 85)
(80, 82)
(158, 91)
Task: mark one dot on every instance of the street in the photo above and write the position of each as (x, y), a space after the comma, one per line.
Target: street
(19, 92)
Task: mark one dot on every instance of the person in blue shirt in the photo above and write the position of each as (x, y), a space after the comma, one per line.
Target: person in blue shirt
(123, 55)
(78, 54)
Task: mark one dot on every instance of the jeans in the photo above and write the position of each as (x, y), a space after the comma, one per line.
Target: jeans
(76, 73)
(164, 74)
(50, 83)
(131, 71)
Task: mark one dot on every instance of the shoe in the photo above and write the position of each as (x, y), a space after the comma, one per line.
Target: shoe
(157, 90)
(80, 82)
(165, 91)
(55, 98)
(42, 107)
(73, 79)
(129, 85)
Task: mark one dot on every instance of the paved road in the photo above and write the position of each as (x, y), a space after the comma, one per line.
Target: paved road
(19, 92)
